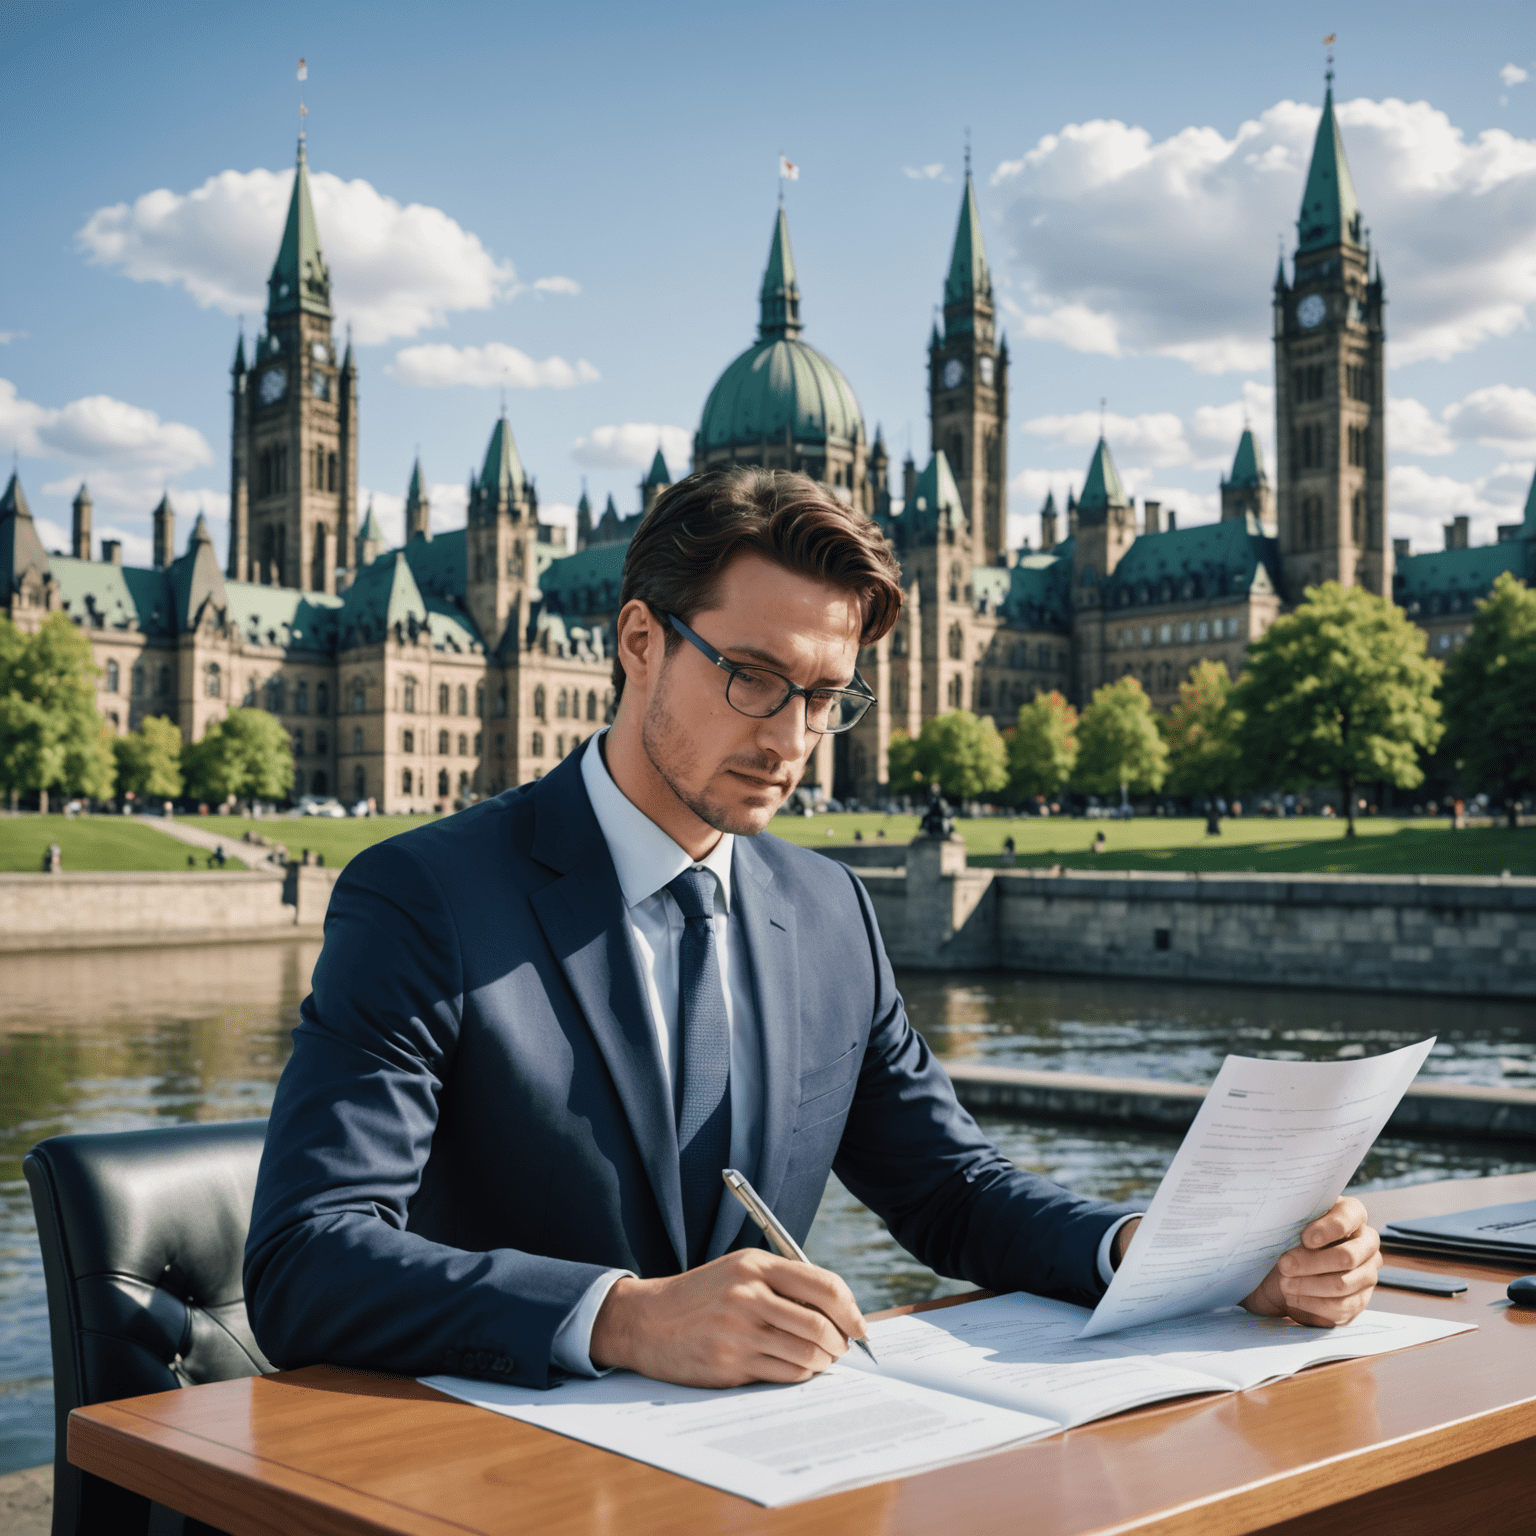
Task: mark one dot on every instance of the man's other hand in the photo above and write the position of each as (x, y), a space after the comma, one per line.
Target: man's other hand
(748, 1316)
(1327, 1279)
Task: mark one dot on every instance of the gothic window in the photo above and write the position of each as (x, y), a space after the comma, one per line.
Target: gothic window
(330, 472)
(442, 743)
(275, 695)
(540, 704)
(322, 699)
(1165, 634)
(1146, 634)
(480, 703)
(112, 677)
(956, 692)
(359, 696)
(591, 705)
(444, 698)
(442, 783)
(138, 682)
(1186, 632)
(559, 746)
(1357, 519)
(408, 696)
(357, 739)
(264, 473)
(463, 745)
(406, 783)
(463, 699)
(956, 642)
(322, 744)
(214, 683)
(317, 470)
(301, 697)
(899, 643)
(562, 706)
(360, 780)
(1203, 632)
(477, 743)
(501, 700)
(298, 743)
(463, 785)
(408, 741)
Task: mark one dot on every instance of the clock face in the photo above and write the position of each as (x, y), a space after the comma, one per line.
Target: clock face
(954, 372)
(1312, 311)
(274, 385)
(320, 384)
(985, 369)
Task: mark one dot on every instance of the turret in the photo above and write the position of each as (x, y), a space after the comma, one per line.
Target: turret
(780, 297)
(501, 515)
(1247, 493)
(656, 481)
(583, 519)
(81, 542)
(1048, 539)
(370, 540)
(164, 533)
(418, 507)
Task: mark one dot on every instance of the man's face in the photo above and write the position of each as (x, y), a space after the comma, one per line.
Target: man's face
(732, 771)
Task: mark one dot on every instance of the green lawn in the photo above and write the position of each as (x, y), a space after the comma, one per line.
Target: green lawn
(1299, 845)
(93, 843)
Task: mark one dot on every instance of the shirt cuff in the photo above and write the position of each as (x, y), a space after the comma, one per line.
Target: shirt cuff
(1106, 1250)
(571, 1348)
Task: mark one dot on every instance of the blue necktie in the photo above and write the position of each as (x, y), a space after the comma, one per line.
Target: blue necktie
(704, 1062)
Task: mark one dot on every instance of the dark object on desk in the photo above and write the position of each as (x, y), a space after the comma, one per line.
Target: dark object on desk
(1523, 1291)
(142, 1234)
(1421, 1280)
(1494, 1232)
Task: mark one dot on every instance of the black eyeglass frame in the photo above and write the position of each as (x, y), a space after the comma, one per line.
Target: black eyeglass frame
(861, 692)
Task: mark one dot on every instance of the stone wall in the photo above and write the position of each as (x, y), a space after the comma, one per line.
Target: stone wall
(79, 911)
(1461, 936)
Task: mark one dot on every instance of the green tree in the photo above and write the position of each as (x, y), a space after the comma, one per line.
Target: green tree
(1119, 743)
(1489, 695)
(1042, 751)
(247, 755)
(149, 759)
(1341, 692)
(51, 735)
(1200, 733)
(964, 754)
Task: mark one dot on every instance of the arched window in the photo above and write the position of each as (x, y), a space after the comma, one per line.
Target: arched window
(138, 682)
(956, 642)
(215, 681)
(322, 699)
(330, 472)
(317, 782)
(322, 743)
(559, 746)
(360, 781)
(275, 694)
(444, 697)
(591, 704)
(357, 739)
(442, 783)
(298, 743)
(359, 696)
(317, 559)
(480, 701)
(463, 699)
(407, 783)
(463, 745)
(1357, 520)
(408, 741)
(501, 700)
(540, 703)
(562, 706)
(301, 697)
(463, 785)
(536, 744)
(442, 745)
(408, 696)
(112, 677)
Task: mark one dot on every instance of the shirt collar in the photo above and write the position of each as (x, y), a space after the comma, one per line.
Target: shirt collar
(645, 858)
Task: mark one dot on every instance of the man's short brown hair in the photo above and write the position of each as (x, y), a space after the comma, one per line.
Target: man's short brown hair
(698, 526)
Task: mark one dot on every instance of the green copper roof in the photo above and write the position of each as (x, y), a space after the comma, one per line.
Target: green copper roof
(780, 296)
(1102, 489)
(371, 532)
(584, 505)
(1529, 530)
(501, 476)
(1050, 503)
(1210, 560)
(1248, 466)
(1330, 213)
(300, 278)
(935, 501)
(658, 474)
(415, 491)
(779, 386)
(1451, 580)
(20, 546)
(968, 278)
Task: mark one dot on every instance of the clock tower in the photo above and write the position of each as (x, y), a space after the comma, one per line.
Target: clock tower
(968, 387)
(294, 456)
(1330, 388)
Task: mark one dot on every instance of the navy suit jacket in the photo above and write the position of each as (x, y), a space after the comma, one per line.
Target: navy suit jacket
(474, 1123)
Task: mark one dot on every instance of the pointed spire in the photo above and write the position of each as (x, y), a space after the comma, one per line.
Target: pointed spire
(14, 502)
(1102, 489)
(501, 477)
(200, 533)
(418, 506)
(1248, 465)
(1280, 282)
(780, 297)
(1528, 528)
(935, 340)
(1330, 212)
(300, 278)
(659, 474)
(238, 366)
(969, 277)
(164, 517)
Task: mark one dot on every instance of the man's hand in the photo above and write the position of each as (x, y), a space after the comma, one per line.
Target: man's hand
(748, 1316)
(1327, 1279)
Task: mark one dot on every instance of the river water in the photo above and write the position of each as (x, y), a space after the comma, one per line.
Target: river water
(120, 1040)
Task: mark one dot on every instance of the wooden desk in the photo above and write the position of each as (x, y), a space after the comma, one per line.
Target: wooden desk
(1434, 1439)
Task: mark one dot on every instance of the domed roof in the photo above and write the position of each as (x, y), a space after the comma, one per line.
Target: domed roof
(780, 383)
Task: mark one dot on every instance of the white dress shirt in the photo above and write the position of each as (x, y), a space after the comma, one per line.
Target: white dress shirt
(646, 860)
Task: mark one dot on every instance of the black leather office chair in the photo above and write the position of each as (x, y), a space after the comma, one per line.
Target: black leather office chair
(143, 1234)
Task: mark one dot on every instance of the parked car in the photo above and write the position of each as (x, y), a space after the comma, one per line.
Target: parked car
(321, 805)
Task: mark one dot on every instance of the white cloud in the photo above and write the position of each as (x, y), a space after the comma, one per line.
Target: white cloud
(1420, 504)
(449, 503)
(633, 444)
(923, 172)
(566, 285)
(127, 453)
(7, 337)
(1412, 429)
(1498, 416)
(1156, 437)
(1513, 75)
(1125, 244)
(437, 365)
(395, 270)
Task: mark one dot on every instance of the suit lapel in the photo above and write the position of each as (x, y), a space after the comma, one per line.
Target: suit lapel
(582, 915)
(768, 928)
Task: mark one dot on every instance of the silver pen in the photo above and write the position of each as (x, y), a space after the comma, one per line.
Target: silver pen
(773, 1229)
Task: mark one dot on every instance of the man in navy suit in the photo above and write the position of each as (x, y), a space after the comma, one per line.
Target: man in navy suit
(541, 1027)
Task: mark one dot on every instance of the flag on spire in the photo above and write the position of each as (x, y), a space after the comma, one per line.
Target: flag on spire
(303, 70)
(788, 170)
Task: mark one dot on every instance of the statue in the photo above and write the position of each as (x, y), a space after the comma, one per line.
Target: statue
(936, 821)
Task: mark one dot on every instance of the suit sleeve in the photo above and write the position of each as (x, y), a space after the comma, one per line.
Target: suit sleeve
(331, 1272)
(945, 1190)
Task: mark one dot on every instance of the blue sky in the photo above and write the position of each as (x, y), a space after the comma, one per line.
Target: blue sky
(575, 203)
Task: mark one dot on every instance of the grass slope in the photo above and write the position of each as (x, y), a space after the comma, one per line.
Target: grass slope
(91, 843)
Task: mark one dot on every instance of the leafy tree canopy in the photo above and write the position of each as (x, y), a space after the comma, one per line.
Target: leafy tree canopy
(1200, 732)
(1042, 751)
(963, 753)
(51, 735)
(247, 755)
(1489, 694)
(149, 759)
(1119, 741)
(1341, 692)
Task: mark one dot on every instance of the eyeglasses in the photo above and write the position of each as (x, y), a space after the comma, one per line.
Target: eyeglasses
(759, 692)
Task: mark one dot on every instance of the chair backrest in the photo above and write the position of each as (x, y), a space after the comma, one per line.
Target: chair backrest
(143, 1236)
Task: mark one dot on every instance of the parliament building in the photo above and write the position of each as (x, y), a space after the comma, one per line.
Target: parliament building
(466, 662)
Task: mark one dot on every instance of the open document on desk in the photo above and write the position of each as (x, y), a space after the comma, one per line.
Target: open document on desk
(952, 1384)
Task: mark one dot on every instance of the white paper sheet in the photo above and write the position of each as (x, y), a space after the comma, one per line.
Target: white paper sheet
(773, 1445)
(1271, 1149)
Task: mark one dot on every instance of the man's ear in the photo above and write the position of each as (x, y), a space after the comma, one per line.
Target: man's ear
(640, 643)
